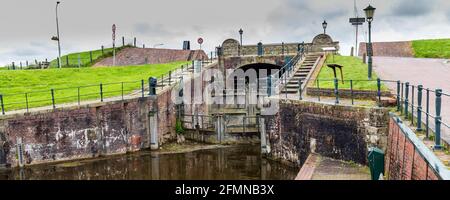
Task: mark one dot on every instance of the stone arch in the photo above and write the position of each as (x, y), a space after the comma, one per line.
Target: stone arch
(322, 39)
(230, 47)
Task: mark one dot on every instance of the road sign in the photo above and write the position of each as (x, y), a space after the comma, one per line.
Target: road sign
(357, 20)
(200, 40)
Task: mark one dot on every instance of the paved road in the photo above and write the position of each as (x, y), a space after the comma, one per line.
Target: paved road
(431, 73)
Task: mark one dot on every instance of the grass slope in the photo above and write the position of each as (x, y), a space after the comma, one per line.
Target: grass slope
(37, 83)
(85, 59)
(354, 69)
(439, 48)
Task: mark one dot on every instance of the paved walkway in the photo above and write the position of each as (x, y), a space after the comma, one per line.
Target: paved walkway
(318, 167)
(431, 73)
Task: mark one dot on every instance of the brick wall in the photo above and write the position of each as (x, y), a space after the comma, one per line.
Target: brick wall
(389, 49)
(88, 131)
(407, 158)
(337, 131)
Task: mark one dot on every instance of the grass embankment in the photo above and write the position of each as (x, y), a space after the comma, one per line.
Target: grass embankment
(65, 82)
(439, 48)
(354, 69)
(85, 58)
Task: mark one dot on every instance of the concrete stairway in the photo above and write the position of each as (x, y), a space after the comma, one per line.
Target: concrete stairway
(301, 72)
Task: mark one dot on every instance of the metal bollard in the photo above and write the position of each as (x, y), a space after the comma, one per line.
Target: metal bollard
(152, 82)
(437, 120)
(406, 99)
(419, 107)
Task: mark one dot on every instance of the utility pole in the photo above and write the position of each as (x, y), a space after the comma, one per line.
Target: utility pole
(57, 35)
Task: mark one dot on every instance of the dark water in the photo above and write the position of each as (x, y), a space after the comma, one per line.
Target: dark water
(243, 163)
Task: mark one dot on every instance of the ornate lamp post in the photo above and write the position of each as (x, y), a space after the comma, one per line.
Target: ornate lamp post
(369, 15)
(324, 26)
(240, 34)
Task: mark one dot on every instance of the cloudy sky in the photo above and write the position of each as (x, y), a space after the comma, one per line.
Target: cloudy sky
(28, 25)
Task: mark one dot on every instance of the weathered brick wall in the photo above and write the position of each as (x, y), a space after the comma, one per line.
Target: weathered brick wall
(341, 132)
(88, 131)
(407, 158)
(389, 49)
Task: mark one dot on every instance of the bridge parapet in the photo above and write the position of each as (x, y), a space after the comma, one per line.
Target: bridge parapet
(231, 47)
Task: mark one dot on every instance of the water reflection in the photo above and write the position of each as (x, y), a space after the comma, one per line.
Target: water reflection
(223, 163)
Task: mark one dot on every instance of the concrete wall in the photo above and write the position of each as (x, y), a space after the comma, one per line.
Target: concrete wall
(88, 131)
(407, 157)
(336, 131)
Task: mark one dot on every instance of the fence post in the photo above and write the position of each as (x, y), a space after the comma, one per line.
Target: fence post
(26, 100)
(406, 99)
(103, 50)
(318, 90)
(53, 98)
(90, 56)
(170, 77)
(401, 99)
(428, 113)
(412, 105)
(419, 107)
(300, 89)
(398, 95)
(379, 91)
(134, 41)
(67, 60)
(269, 85)
(142, 87)
(123, 41)
(78, 92)
(351, 91)
(101, 92)
(122, 90)
(437, 120)
(336, 90)
(2, 104)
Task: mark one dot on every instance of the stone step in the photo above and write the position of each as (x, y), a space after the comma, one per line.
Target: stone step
(289, 91)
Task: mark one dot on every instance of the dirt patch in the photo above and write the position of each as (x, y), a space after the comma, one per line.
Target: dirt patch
(141, 56)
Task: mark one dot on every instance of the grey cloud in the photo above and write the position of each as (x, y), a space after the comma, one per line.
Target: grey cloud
(155, 30)
(408, 8)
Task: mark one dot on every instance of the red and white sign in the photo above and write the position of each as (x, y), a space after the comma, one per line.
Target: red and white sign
(114, 31)
(200, 40)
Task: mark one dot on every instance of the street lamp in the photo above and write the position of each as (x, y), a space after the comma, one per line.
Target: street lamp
(369, 15)
(57, 36)
(324, 26)
(240, 34)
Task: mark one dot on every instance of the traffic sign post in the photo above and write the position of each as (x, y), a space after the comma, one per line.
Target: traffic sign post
(200, 41)
(114, 43)
(357, 21)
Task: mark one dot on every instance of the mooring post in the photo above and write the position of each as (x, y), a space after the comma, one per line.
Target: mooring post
(336, 90)
(2, 104)
(101, 92)
(300, 89)
(419, 107)
(437, 120)
(406, 99)
(398, 96)
(53, 97)
(379, 91)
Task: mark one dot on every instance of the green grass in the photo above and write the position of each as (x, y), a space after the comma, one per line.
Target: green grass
(85, 59)
(439, 48)
(37, 83)
(354, 69)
